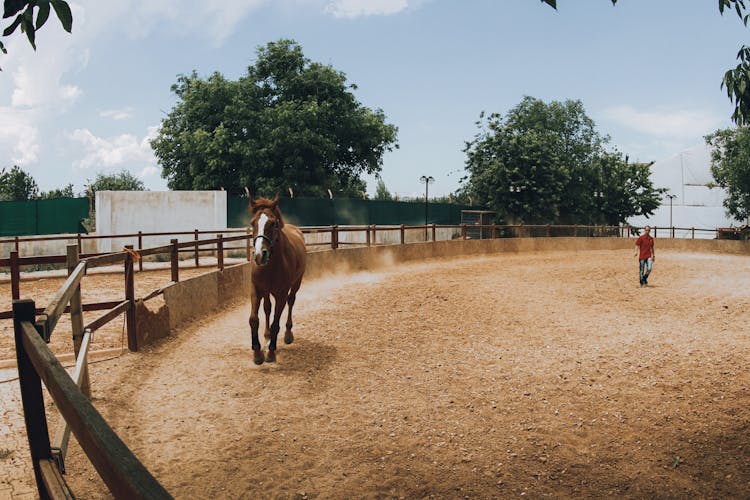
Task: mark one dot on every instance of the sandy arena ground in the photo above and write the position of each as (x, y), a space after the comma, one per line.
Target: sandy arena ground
(537, 374)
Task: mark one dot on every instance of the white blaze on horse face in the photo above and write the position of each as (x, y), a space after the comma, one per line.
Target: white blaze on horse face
(261, 232)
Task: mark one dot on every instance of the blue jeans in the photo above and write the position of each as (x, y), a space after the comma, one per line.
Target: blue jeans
(644, 266)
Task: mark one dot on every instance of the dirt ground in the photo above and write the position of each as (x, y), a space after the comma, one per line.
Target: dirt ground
(542, 374)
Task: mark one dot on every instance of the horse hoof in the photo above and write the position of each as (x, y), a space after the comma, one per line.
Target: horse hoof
(271, 357)
(258, 357)
(288, 338)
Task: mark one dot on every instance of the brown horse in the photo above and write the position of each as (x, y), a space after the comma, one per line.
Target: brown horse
(278, 263)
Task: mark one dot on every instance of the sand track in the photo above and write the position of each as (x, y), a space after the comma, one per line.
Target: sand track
(543, 373)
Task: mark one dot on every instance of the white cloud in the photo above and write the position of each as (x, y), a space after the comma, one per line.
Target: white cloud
(681, 124)
(118, 114)
(104, 153)
(358, 8)
(19, 136)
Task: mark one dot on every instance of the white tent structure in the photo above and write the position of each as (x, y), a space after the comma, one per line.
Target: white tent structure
(696, 200)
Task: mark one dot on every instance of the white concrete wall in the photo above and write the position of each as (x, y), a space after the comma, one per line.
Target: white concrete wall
(123, 212)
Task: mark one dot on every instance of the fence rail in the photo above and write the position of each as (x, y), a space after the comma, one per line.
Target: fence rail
(124, 475)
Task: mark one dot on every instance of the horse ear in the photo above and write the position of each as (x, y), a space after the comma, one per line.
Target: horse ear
(275, 208)
(251, 203)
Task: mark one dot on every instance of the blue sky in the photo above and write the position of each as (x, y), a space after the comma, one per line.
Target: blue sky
(648, 73)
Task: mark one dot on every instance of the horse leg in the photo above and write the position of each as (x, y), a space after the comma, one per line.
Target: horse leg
(254, 324)
(267, 310)
(275, 327)
(288, 335)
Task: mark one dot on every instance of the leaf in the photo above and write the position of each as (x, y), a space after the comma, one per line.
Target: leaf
(62, 9)
(13, 7)
(10, 29)
(42, 15)
(28, 27)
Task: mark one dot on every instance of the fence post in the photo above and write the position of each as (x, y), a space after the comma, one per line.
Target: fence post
(575, 230)
(197, 249)
(80, 243)
(174, 260)
(247, 245)
(15, 276)
(220, 250)
(31, 395)
(140, 247)
(672, 232)
(334, 237)
(547, 230)
(130, 297)
(374, 235)
(18, 245)
(76, 317)
(520, 230)
(403, 234)
(367, 236)
(692, 230)
(492, 234)
(434, 232)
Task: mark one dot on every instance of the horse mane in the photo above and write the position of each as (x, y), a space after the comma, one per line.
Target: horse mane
(273, 205)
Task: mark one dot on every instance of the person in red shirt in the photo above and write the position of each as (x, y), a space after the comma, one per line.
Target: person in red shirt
(644, 250)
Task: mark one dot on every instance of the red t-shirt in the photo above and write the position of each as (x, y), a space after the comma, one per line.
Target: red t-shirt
(646, 244)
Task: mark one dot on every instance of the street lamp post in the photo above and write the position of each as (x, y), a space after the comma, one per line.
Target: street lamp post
(426, 179)
(671, 197)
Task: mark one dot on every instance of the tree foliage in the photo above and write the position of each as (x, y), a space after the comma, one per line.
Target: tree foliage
(65, 192)
(121, 181)
(546, 163)
(17, 185)
(730, 167)
(288, 122)
(24, 11)
(381, 191)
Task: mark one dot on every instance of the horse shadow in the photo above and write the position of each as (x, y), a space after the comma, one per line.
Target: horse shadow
(305, 360)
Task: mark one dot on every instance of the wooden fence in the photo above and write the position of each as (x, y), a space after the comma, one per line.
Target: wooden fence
(123, 474)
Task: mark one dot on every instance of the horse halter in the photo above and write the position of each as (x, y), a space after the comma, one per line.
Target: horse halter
(268, 240)
(264, 237)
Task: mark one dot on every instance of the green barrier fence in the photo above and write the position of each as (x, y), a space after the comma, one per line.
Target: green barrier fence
(349, 211)
(64, 215)
(60, 215)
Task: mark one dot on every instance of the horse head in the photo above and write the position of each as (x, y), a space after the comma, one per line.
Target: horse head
(266, 225)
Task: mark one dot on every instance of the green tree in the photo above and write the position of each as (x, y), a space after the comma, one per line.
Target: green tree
(381, 191)
(546, 163)
(288, 122)
(24, 11)
(730, 167)
(122, 181)
(17, 185)
(66, 192)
